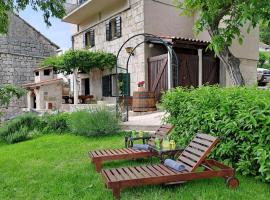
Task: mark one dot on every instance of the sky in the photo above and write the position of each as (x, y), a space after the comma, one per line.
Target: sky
(59, 32)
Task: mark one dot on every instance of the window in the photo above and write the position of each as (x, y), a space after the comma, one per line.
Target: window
(114, 29)
(37, 73)
(89, 38)
(47, 72)
(109, 82)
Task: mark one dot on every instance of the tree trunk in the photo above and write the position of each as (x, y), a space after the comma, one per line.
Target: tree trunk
(232, 66)
(231, 63)
(75, 83)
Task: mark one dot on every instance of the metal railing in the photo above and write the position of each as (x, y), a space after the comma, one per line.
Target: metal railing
(71, 5)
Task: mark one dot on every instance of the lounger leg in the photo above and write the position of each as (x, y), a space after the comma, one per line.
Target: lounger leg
(98, 166)
(116, 192)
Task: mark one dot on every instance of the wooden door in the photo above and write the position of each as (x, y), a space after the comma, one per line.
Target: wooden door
(188, 70)
(158, 75)
(210, 70)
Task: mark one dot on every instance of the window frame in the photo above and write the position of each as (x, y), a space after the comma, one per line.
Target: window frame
(89, 39)
(114, 28)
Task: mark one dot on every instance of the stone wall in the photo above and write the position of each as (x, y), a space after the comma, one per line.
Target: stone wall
(21, 51)
(132, 23)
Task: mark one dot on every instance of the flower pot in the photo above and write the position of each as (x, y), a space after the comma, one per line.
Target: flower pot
(140, 89)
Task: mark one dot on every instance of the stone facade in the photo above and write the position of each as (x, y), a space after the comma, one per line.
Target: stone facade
(21, 51)
(132, 23)
(158, 17)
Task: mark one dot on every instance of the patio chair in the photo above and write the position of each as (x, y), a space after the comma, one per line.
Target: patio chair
(192, 157)
(99, 156)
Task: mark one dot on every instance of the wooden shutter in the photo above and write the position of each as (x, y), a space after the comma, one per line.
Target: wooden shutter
(92, 37)
(84, 39)
(108, 31)
(106, 86)
(125, 78)
(118, 26)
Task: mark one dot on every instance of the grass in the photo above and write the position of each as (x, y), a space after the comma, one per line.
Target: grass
(56, 167)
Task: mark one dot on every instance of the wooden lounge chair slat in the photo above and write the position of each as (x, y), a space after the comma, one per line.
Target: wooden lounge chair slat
(166, 169)
(198, 146)
(122, 151)
(118, 152)
(145, 174)
(104, 153)
(127, 170)
(187, 161)
(154, 170)
(99, 153)
(189, 168)
(206, 137)
(93, 153)
(117, 175)
(190, 155)
(123, 173)
(148, 171)
(164, 172)
(195, 151)
(137, 174)
(203, 142)
(110, 175)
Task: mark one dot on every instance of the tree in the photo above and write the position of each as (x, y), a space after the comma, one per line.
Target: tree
(224, 20)
(50, 8)
(265, 33)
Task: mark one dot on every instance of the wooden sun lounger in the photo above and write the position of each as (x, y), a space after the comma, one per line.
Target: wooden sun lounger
(99, 156)
(192, 157)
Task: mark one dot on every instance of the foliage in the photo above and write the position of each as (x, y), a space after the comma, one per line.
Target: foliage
(50, 8)
(239, 116)
(265, 33)
(9, 91)
(82, 59)
(96, 122)
(57, 123)
(233, 15)
(17, 130)
(264, 60)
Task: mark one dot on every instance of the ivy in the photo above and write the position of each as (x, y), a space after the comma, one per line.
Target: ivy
(82, 59)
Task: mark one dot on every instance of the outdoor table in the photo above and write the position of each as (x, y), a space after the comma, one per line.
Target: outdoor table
(129, 140)
(166, 153)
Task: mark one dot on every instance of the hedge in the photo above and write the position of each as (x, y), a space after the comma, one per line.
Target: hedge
(239, 116)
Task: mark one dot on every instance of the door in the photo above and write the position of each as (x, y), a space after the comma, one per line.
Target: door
(158, 75)
(210, 70)
(87, 86)
(188, 70)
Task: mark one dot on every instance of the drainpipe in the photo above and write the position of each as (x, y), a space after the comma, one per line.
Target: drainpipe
(200, 54)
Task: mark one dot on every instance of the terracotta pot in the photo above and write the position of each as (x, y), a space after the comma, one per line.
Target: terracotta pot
(141, 89)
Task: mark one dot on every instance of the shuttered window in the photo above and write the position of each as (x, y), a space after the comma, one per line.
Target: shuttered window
(106, 86)
(109, 87)
(89, 38)
(114, 29)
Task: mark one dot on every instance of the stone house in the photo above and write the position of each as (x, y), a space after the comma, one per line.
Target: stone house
(46, 92)
(106, 24)
(21, 51)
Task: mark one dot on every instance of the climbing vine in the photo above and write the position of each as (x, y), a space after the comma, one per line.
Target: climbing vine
(82, 59)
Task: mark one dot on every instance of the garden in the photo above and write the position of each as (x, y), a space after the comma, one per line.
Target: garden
(47, 157)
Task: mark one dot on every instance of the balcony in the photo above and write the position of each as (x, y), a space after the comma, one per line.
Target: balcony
(79, 11)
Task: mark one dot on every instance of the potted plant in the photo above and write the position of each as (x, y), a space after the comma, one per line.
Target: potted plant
(141, 86)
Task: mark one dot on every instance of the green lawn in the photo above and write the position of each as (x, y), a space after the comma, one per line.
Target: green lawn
(57, 167)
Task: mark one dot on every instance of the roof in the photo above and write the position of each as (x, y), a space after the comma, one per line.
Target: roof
(41, 83)
(175, 39)
(43, 68)
(28, 24)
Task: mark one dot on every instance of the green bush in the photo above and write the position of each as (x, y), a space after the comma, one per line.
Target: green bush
(56, 123)
(239, 116)
(18, 136)
(97, 122)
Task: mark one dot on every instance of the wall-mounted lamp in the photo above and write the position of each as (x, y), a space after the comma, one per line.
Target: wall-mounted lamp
(151, 45)
(129, 50)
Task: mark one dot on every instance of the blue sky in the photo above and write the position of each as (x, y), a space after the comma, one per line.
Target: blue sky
(59, 32)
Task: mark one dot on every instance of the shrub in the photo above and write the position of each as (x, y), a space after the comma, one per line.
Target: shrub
(239, 116)
(18, 136)
(97, 122)
(56, 123)
(28, 121)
